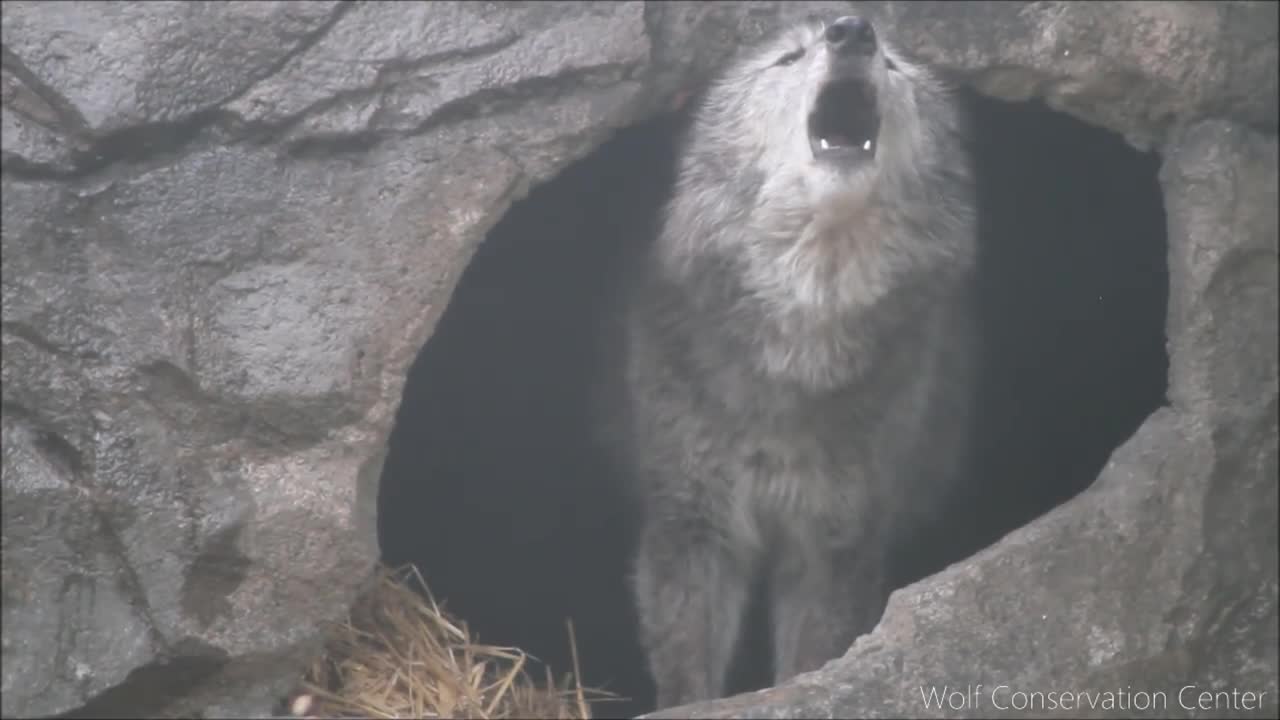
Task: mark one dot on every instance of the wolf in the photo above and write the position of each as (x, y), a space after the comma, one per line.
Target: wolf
(798, 351)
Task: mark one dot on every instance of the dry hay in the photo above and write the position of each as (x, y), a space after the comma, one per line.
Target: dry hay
(399, 655)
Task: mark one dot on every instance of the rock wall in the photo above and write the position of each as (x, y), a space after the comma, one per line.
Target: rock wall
(228, 228)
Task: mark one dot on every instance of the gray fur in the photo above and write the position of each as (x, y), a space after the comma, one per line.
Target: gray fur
(797, 364)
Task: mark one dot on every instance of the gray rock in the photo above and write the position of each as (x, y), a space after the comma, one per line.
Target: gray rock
(229, 228)
(117, 65)
(1134, 68)
(26, 122)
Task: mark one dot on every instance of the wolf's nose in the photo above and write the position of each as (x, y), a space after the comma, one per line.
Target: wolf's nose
(851, 35)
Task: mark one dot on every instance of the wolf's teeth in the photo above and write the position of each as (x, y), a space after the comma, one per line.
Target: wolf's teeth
(824, 144)
(866, 145)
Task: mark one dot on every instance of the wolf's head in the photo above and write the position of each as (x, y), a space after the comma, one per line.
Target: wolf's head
(826, 109)
(823, 172)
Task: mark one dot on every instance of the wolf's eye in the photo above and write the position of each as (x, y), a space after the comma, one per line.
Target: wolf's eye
(790, 57)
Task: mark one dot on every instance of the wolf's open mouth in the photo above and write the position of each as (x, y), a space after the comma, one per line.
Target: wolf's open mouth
(846, 122)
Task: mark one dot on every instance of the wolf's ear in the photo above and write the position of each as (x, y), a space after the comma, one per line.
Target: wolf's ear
(684, 104)
(965, 100)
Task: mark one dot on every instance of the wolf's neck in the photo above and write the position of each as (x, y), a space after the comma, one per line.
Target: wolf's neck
(810, 315)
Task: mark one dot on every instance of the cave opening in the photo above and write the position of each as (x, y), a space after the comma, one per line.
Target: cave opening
(1073, 288)
(491, 489)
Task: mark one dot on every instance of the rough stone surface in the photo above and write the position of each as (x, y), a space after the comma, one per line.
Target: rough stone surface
(1135, 68)
(228, 228)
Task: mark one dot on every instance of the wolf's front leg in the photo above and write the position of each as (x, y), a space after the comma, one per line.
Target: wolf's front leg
(691, 597)
(821, 604)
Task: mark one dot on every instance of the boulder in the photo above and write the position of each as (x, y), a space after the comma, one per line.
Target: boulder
(229, 227)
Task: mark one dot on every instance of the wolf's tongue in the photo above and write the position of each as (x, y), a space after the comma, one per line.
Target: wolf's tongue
(838, 140)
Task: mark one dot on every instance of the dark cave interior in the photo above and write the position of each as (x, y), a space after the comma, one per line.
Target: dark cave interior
(489, 488)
